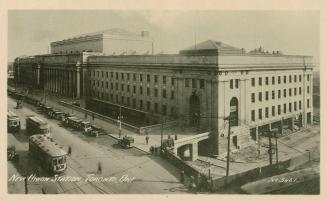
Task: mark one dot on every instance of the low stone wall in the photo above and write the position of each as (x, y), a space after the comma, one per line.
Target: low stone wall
(157, 127)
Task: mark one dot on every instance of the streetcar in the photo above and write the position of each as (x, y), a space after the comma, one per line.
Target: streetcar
(286, 183)
(50, 155)
(35, 125)
(13, 122)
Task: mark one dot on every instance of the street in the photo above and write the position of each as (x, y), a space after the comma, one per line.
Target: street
(135, 171)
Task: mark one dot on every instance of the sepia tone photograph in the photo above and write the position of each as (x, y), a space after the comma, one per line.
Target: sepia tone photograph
(163, 102)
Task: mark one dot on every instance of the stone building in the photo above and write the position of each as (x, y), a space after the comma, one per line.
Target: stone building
(199, 87)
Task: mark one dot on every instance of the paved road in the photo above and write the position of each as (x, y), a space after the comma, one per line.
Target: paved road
(150, 174)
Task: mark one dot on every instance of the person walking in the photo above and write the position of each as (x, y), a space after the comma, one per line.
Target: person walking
(85, 115)
(175, 137)
(147, 139)
(93, 117)
(69, 153)
(99, 168)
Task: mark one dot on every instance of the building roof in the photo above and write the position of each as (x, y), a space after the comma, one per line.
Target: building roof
(212, 46)
(48, 145)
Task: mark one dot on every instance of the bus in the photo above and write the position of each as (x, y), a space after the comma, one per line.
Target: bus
(13, 122)
(51, 156)
(35, 125)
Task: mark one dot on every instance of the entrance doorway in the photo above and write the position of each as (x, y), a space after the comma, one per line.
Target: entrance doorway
(195, 110)
(233, 112)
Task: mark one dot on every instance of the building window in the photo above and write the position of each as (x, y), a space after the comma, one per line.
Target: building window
(172, 95)
(295, 91)
(97, 83)
(101, 84)
(106, 74)
(253, 115)
(253, 97)
(267, 80)
(279, 111)
(284, 79)
(285, 93)
(295, 78)
(267, 95)
(231, 84)
(93, 82)
(308, 77)
(164, 109)
(172, 81)
(279, 93)
(300, 90)
(155, 78)
(308, 103)
(273, 80)
(164, 93)
(107, 84)
(156, 107)
(128, 88)
(290, 78)
(111, 86)
(98, 73)
(172, 110)
(300, 104)
(290, 107)
(193, 83)
(116, 86)
(148, 91)
(148, 105)
(141, 90)
(122, 87)
(236, 83)
(260, 96)
(253, 81)
(122, 76)
(300, 78)
(260, 114)
(148, 77)
(122, 100)
(128, 101)
(111, 74)
(273, 111)
(134, 89)
(164, 79)
(266, 112)
(295, 106)
(273, 94)
(141, 104)
(134, 103)
(134, 77)
(116, 98)
(141, 77)
(278, 79)
(260, 81)
(111, 97)
(128, 76)
(308, 89)
(290, 92)
(155, 92)
(284, 109)
(202, 83)
(187, 83)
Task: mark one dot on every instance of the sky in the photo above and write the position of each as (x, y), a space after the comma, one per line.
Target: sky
(292, 32)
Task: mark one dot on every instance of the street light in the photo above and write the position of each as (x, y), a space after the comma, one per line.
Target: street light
(120, 117)
(309, 152)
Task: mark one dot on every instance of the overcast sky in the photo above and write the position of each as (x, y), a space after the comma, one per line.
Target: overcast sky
(292, 32)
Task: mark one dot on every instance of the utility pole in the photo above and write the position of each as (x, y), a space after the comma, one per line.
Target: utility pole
(161, 138)
(270, 148)
(228, 147)
(119, 121)
(276, 147)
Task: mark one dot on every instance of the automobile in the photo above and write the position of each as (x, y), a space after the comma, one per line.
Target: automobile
(126, 142)
(11, 153)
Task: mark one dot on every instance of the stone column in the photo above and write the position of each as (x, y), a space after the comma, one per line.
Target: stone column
(78, 82)
(38, 68)
(194, 153)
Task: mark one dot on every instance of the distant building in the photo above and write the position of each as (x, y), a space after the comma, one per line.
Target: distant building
(110, 42)
(199, 87)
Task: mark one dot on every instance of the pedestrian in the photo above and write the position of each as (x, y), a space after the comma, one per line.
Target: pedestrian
(85, 115)
(175, 137)
(26, 184)
(69, 151)
(169, 137)
(147, 139)
(99, 168)
(93, 117)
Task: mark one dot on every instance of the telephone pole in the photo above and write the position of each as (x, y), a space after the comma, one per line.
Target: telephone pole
(228, 146)
(270, 148)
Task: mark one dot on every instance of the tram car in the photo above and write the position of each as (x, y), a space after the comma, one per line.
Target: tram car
(50, 155)
(305, 181)
(35, 125)
(13, 122)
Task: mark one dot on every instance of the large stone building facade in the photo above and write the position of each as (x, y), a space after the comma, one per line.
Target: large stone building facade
(199, 87)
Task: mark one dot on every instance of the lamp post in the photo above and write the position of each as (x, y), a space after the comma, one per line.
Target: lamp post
(309, 152)
(120, 117)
